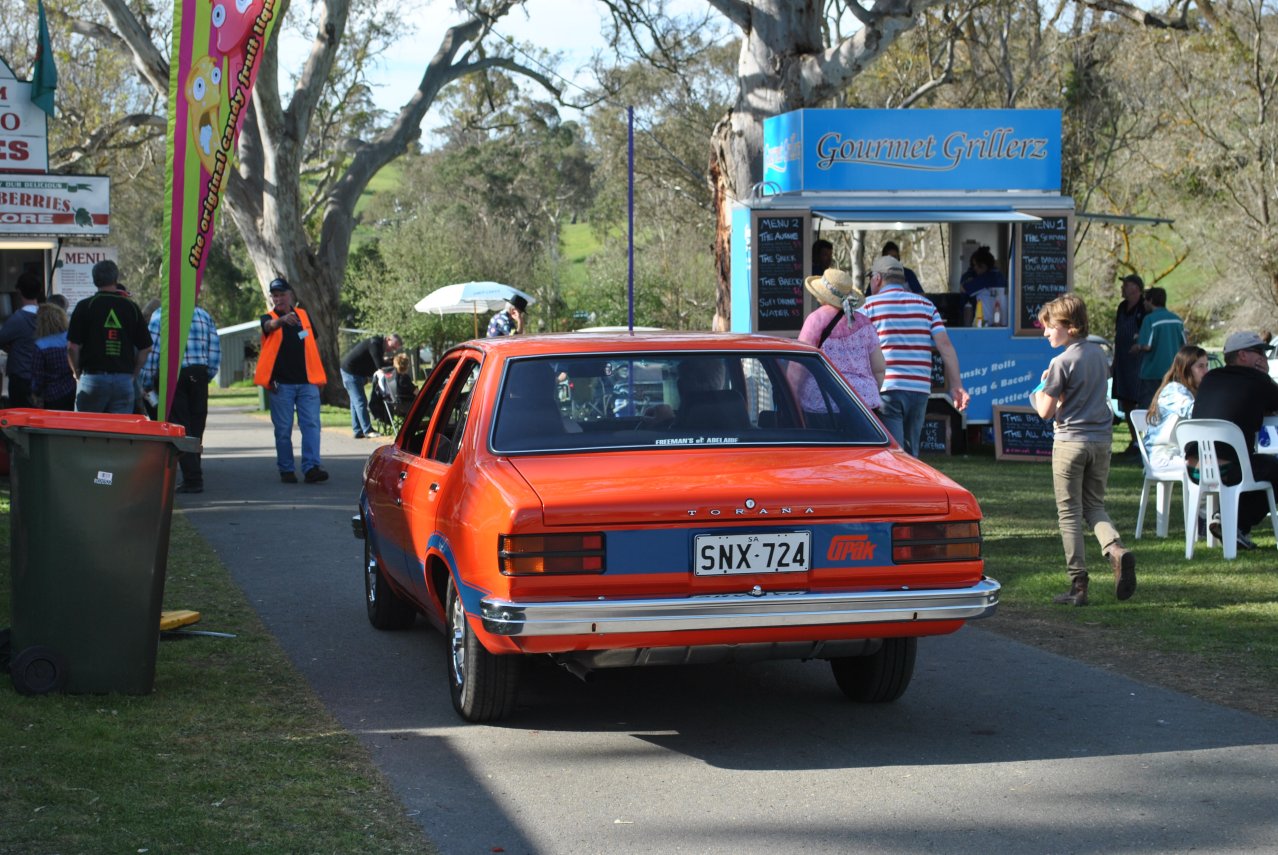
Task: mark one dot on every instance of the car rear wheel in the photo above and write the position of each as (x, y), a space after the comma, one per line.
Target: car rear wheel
(386, 609)
(881, 677)
(482, 685)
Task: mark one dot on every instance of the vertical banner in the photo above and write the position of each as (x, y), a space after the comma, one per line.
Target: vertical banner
(217, 51)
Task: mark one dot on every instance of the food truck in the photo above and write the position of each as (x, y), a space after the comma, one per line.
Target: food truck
(970, 178)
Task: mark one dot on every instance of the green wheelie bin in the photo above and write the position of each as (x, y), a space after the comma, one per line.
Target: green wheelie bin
(91, 504)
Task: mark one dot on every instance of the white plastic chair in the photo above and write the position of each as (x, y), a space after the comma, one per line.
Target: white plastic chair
(1209, 434)
(1162, 480)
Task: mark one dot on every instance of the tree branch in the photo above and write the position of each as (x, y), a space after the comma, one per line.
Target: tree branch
(146, 58)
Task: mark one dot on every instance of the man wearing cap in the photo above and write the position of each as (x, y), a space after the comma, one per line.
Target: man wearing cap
(908, 326)
(510, 321)
(289, 367)
(107, 344)
(911, 278)
(1241, 391)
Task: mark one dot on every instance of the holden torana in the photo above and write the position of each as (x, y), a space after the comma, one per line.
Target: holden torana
(615, 500)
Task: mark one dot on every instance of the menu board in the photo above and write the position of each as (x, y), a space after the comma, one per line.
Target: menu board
(1021, 434)
(935, 438)
(779, 265)
(1045, 267)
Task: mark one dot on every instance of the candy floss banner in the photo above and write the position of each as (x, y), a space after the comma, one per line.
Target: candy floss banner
(217, 50)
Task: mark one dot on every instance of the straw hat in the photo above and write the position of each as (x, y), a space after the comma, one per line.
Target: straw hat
(833, 287)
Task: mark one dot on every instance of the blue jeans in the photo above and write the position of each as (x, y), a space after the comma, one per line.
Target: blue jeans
(105, 393)
(305, 398)
(903, 414)
(360, 422)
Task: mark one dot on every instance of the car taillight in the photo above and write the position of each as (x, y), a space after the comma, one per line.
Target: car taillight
(546, 554)
(914, 542)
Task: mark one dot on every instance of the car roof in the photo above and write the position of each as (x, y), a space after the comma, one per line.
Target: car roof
(556, 344)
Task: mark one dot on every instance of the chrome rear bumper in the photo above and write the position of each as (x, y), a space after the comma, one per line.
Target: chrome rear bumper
(737, 611)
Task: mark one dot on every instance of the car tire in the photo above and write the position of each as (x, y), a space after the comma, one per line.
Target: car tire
(386, 609)
(482, 685)
(881, 677)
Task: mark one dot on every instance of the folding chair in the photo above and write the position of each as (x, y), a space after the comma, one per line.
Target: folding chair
(1210, 435)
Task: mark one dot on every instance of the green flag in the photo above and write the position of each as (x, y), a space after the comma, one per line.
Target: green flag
(44, 77)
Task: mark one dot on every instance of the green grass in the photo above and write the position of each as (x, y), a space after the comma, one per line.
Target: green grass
(1225, 612)
(231, 753)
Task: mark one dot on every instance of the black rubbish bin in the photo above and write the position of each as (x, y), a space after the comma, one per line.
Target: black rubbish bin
(91, 505)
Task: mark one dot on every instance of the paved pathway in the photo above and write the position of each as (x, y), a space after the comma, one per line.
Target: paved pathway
(996, 748)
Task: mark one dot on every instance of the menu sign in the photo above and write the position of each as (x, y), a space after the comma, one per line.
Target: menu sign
(1046, 268)
(1021, 434)
(779, 266)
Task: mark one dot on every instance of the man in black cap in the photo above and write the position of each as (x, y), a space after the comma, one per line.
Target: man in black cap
(1241, 391)
(107, 344)
(289, 367)
(511, 321)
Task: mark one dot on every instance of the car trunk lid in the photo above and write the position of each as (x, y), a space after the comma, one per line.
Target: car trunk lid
(732, 486)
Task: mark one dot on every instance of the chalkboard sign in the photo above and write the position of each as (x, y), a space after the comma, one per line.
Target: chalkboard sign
(1045, 267)
(779, 265)
(935, 438)
(1020, 434)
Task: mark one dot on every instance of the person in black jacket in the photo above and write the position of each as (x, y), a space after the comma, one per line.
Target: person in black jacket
(1241, 391)
(359, 364)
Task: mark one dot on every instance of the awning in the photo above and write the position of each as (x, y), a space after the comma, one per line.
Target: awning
(888, 219)
(1124, 219)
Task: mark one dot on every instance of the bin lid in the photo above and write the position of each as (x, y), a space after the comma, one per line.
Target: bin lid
(59, 420)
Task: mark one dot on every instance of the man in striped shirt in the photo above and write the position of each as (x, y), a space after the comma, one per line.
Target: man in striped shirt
(908, 326)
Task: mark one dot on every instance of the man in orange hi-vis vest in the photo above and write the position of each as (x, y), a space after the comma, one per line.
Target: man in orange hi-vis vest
(290, 369)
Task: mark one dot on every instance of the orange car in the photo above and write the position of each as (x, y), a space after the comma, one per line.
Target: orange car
(617, 500)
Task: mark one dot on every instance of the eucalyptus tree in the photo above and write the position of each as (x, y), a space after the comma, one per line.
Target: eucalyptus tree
(305, 156)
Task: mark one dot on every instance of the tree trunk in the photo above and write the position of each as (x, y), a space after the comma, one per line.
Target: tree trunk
(783, 65)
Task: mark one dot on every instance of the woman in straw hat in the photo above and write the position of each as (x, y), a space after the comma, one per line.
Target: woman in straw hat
(846, 336)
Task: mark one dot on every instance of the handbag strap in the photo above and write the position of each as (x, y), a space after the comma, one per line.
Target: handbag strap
(829, 328)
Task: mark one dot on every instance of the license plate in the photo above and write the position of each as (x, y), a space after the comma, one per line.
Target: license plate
(726, 554)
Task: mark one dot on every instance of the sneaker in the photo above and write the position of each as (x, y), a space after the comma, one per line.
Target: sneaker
(190, 488)
(359, 435)
(315, 475)
(1244, 538)
(288, 477)
(372, 434)
(1124, 564)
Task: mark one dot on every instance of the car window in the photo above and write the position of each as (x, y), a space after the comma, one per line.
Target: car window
(418, 422)
(664, 399)
(450, 425)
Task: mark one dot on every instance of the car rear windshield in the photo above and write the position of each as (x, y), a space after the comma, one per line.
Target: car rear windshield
(675, 400)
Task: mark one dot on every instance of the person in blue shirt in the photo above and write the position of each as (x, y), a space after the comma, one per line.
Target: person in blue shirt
(190, 406)
(511, 320)
(982, 272)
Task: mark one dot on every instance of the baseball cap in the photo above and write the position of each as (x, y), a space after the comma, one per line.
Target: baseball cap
(1245, 340)
(886, 264)
(280, 284)
(1133, 277)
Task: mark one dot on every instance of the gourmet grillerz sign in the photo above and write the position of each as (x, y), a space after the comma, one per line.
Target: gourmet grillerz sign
(925, 150)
